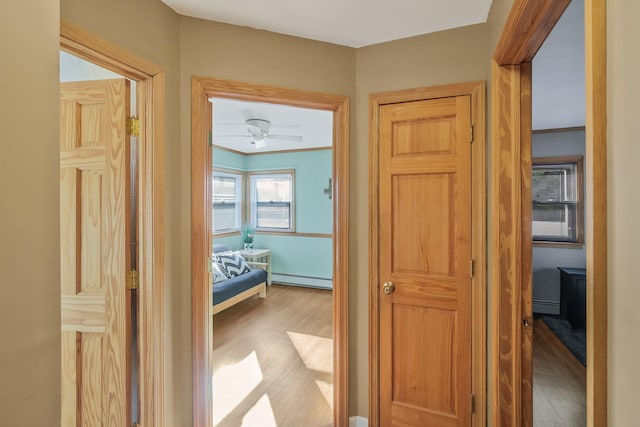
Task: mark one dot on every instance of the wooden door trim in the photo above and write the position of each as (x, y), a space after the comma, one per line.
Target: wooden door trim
(477, 92)
(527, 27)
(150, 80)
(508, 248)
(202, 89)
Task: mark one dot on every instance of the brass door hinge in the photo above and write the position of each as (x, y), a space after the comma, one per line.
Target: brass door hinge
(471, 268)
(471, 134)
(132, 279)
(133, 126)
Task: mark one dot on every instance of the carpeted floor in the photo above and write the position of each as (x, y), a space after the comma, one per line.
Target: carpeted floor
(574, 339)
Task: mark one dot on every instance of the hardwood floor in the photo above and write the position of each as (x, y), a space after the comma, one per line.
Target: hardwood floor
(559, 382)
(273, 360)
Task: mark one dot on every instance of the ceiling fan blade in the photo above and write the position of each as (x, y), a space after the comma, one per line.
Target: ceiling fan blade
(292, 138)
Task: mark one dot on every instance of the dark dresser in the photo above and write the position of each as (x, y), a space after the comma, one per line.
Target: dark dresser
(573, 295)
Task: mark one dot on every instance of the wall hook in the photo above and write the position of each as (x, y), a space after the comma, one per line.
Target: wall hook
(329, 190)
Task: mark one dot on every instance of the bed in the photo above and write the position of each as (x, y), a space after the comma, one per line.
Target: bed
(244, 284)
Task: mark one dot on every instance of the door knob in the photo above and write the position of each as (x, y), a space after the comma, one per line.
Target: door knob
(388, 288)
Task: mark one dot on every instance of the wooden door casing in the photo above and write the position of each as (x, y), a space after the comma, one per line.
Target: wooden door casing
(94, 230)
(425, 229)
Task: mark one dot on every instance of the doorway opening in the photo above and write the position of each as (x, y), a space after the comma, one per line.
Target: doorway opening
(78, 75)
(272, 206)
(527, 26)
(257, 222)
(99, 287)
(558, 263)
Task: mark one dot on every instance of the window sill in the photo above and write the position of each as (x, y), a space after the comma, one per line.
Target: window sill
(274, 231)
(294, 234)
(225, 233)
(559, 245)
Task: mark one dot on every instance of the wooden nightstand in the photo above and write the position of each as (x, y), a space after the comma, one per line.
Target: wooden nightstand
(259, 255)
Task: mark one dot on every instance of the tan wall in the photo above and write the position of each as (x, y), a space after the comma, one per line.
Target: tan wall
(453, 56)
(29, 215)
(29, 360)
(151, 30)
(623, 92)
(236, 53)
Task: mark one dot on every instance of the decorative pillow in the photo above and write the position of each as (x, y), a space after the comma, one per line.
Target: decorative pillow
(218, 275)
(217, 262)
(233, 263)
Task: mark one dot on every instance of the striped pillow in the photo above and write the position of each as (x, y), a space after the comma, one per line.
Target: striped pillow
(233, 264)
(220, 265)
(218, 275)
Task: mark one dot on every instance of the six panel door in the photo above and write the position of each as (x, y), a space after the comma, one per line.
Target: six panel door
(94, 206)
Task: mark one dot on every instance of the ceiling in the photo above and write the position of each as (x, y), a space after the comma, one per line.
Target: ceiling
(558, 68)
(558, 74)
(353, 23)
(230, 131)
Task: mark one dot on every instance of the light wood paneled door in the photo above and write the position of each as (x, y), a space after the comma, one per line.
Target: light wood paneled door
(425, 263)
(94, 230)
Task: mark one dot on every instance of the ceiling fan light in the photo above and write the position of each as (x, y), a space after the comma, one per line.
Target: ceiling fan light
(260, 143)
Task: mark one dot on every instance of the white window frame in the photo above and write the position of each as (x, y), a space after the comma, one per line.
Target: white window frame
(253, 176)
(239, 177)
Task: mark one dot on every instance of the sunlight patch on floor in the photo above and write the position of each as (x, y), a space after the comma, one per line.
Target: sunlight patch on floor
(260, 414)
(232, 383)
(327, 391)
(316, 352)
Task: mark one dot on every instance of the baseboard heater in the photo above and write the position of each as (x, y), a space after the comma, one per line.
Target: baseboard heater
(546, 306)
(307, 281)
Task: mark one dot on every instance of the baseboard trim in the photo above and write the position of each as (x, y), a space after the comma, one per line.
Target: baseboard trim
(358, 422)
(546, 306)
(311, 282)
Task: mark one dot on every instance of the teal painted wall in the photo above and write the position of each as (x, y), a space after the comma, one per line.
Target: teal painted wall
(299, 256)
(293, 255)
(313, 170)
(228, 160)
(233, 242)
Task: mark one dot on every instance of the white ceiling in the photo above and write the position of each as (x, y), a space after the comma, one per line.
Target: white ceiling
(353, 23)
(558, 81)
(229, 116)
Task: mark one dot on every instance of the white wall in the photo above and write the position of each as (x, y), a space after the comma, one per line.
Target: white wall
(546, 260)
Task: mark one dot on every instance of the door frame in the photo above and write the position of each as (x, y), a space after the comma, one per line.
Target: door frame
(476, 90)
(203, 88)
(526, 28)
(150, 93)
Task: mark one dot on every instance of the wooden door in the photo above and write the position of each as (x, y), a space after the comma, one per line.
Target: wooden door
(94, 164)
(425, 257)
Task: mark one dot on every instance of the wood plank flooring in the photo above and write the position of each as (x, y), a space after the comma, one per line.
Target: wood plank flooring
(559, 382)
(273, 360)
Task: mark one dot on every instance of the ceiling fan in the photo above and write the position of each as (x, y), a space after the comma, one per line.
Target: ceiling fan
(258, 130)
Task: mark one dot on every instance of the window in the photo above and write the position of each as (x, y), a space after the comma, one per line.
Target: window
(556, 187)
(227, 201)
(272, 202)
